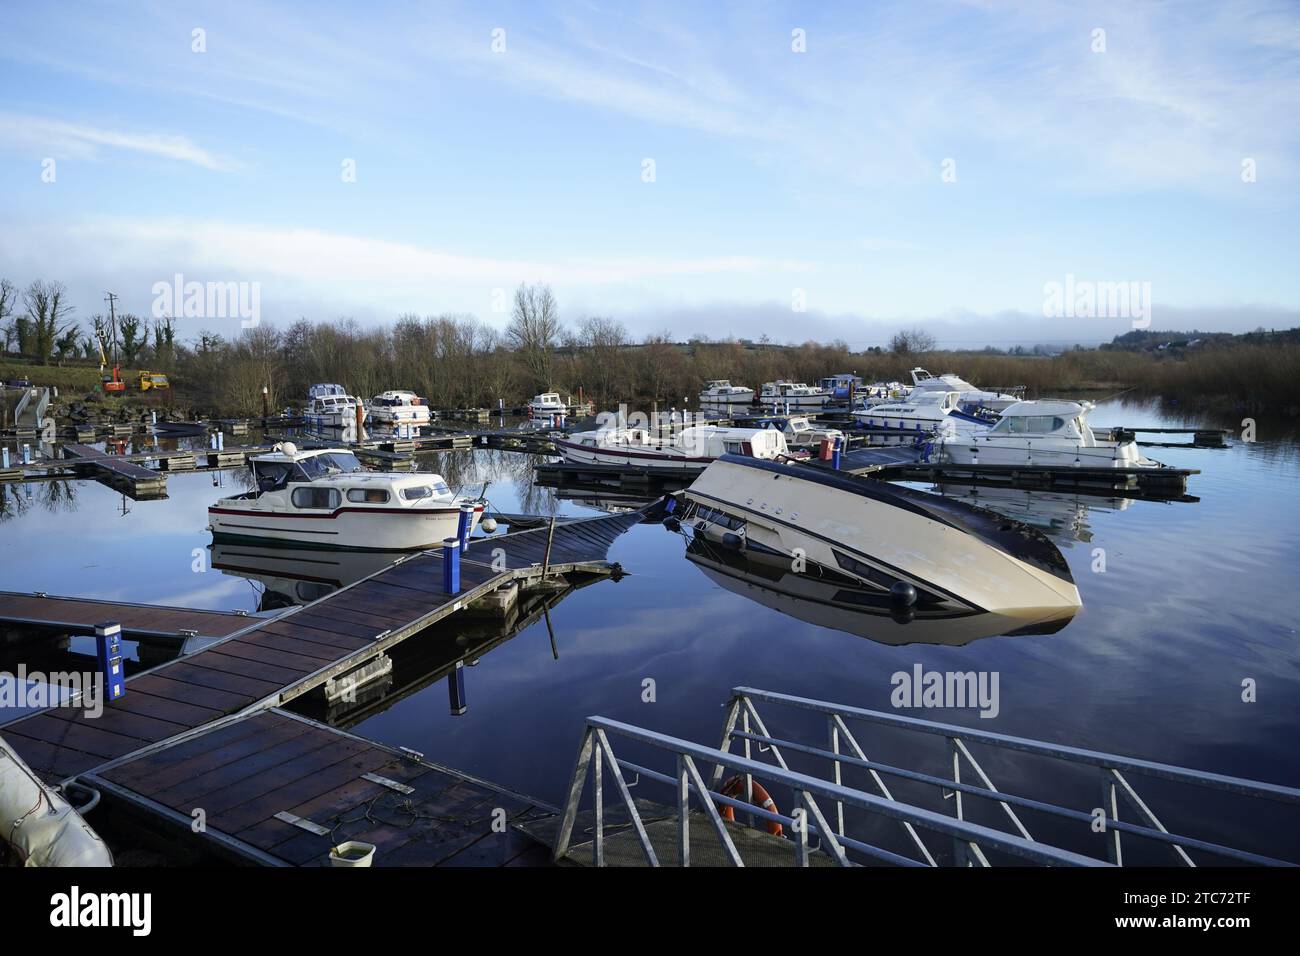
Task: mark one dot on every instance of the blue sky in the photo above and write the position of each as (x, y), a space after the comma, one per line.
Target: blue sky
(775, 170)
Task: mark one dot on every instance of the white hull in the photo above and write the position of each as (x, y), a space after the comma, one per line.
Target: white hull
(356, 528)
(982, 451)
(955, 556)
(617, 456)
(413, 415)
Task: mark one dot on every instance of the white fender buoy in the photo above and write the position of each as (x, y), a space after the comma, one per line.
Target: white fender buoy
(40, 825)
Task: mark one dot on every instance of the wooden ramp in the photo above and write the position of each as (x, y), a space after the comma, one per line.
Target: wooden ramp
(277, 789)
(80, 615)
(276, 661)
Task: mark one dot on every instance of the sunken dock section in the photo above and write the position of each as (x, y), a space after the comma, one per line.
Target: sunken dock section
(80, 615)
(116, 471)
(278, 789)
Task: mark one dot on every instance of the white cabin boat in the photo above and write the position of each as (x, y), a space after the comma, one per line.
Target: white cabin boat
(783, 394)
(801, 433)
(720, 392)
(921, 413)
(689, 448)
(325, 498)
(330, 406)
(920, 550)
(398, 407)
(1045, 432)
(547, 403)
(971, 397)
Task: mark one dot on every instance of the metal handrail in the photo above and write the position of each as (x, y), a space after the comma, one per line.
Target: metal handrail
(1111, 765)
(596, 751)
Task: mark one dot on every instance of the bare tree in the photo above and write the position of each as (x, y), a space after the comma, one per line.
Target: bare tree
(534, 329)
(8, 296)
(912, 342)
(48, 317)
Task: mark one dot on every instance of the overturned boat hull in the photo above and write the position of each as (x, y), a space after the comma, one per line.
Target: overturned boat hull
(956, 558)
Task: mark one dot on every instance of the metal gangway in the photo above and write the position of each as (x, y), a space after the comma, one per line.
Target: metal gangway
(831, 822)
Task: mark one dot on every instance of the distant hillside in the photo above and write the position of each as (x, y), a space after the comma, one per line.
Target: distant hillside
(1145, 340)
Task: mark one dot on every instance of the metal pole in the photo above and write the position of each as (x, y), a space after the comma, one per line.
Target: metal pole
(546, 560)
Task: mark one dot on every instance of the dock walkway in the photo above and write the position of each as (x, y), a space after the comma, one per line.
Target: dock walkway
(275, 661)
(80, 615)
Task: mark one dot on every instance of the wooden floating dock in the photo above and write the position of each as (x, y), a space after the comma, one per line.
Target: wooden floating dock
(278, 789)
(80, 615)
(272, 662)
(117, 471)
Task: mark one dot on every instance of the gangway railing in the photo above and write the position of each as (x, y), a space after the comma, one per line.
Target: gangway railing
(819, 812)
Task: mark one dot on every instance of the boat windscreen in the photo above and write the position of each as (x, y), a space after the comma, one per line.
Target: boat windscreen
(330, 463)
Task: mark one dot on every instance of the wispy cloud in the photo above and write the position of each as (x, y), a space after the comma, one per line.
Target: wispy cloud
(60, 139)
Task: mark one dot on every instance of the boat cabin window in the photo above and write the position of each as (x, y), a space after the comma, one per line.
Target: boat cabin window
(319, 498)
(1028, 425)
(271, 475)
(369, 496)
(330, 463)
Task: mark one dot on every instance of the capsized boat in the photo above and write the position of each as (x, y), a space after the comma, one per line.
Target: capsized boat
(689, 448)
(838, 601)
(325, 498)
(398, 407)
(720, 392)
(922, 550)
(1045, 432)
(971, 397)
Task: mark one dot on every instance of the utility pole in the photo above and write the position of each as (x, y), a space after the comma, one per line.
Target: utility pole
(111, 299)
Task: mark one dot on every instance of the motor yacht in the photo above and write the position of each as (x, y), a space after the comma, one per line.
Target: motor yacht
(397, 407)
(330, 406)
(721, 393)
(1046, 432)
(325, 498)
(972, 398)
(691, 448)
(922, 413)
(783, 395)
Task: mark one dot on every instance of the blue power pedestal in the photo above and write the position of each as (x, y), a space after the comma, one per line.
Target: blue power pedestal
(108, 651)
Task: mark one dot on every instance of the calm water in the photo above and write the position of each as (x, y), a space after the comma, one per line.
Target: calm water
(1196, 597)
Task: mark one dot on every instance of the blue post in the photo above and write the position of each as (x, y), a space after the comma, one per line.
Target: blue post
(451, 565)
(108, 652)
(835, 454)
(465, 525)
(27, 454)
(5, 453)
(456, 690)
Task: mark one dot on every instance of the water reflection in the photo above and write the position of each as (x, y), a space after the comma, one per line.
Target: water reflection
(842, 604)
(53, 495)
(288, 576)
(1064, 516)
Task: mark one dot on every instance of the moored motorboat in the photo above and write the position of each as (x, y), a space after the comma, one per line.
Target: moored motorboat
(1048, 433)
(326, 498)
(330, 406)
(545, 404)
(789, 395)
(690, 448)
(721, 393)
(919, 414)
(971, 398)
(919, 549)
(398, 407)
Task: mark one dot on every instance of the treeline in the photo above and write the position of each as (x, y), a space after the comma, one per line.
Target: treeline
(459, 361)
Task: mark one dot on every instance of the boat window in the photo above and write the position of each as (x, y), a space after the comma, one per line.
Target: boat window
(319, 498)
(271, 475)
(440, 488)
(1029, 425)
(418, 492)
(369, 496)
(330, 463)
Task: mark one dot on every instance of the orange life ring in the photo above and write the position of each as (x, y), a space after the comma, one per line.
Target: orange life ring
(735, 787)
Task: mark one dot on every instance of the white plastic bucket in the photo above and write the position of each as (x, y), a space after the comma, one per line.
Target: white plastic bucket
(352, 853)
